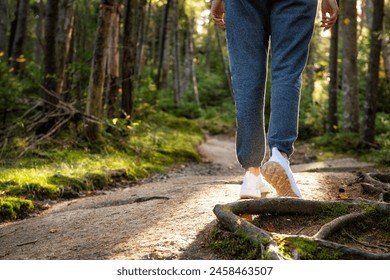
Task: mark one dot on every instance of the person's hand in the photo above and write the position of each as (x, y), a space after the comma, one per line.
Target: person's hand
(330, 11)
(218, 13)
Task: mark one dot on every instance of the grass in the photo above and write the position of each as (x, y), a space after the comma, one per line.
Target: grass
(152, 145)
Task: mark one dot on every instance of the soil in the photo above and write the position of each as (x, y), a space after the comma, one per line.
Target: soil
(166, 216)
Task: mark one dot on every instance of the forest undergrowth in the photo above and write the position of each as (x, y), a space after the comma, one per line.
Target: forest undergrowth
(63, 169)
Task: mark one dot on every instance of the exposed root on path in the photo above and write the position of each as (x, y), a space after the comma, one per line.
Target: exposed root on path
(335, 216)
(377, 184)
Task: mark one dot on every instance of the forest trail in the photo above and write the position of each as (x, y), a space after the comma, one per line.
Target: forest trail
(168, 216)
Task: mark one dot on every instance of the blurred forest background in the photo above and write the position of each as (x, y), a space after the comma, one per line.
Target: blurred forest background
(92, 91)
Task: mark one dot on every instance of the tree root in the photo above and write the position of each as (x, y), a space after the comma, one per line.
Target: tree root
(376, 183)
(228, 216)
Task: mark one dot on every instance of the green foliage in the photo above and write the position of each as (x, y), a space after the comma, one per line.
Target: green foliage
(234, 246)
(213, 90)
(219, 120)
(10, 88)
(313, 113)
(343, 142)
(382, 155)
(14, 207)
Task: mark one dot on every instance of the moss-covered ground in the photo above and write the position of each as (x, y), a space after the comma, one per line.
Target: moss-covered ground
(59, 170)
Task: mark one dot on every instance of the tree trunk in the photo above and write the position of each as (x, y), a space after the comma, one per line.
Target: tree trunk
(19, 35)
(193, 73)
(38, 33)
(191, 55)
(50, 61)
(63, 40)
(3, 26)
(141, 15)
(386, 57)
(370, 106)
(350, 72)
(225, 67)
(208, 49)
(176, 52)
(163, 46)
(333, 82)
(310, 71)
(141, 58)
(68, 79)
(155, 38)
(129, 58)
(113, 62)
(96, 81)
(186, 69)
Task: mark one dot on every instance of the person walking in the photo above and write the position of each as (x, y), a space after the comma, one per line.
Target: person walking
(254, 30)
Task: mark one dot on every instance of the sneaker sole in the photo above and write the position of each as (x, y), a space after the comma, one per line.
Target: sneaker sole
(274, 173)
(248, 196)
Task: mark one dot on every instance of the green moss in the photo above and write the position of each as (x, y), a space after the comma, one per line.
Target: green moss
(34, 191)
(308, 249)
(68, 182)
(97, 181)
(377, 217)
(332, 210)
(14, 207)
(235, 246)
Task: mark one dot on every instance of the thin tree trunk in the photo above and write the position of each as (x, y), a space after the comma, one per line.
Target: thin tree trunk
(14, 24)
(370, 103)
(141, 12)
(310, 71)
(3, 26)
(186, 69)
(386, 56)
(68, 81)
(154, 39)
(113, 63)
(63, 39)
(50, 61)
(142, 58)
(350, 71)
(176, 51)
(96, 81)
(225, 67)
(20, 34)
(49, 64)
(38, 33)
(333, 82)
(129, 57)
(191, 55)
(163, 46)
(208, 49)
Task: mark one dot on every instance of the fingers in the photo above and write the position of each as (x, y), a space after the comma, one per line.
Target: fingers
(327, 22)
(218, 12)
(219, 22)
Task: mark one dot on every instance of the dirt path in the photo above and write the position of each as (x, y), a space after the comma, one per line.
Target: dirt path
(165, 217)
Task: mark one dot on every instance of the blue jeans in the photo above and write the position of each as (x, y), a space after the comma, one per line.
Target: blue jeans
(255, 28)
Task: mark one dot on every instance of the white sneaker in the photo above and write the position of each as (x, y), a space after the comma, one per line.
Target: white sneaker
(254, 186)
(278, 173)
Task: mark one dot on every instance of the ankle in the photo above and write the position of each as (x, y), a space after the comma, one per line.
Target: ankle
(254, 170)
(283, 154)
